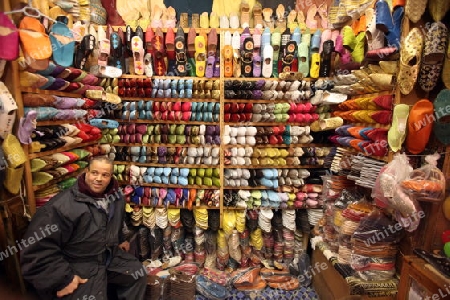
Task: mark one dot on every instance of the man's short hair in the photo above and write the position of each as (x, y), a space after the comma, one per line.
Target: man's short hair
(101, 158)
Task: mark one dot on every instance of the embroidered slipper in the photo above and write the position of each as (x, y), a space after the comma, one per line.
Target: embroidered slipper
(267, 61)
(288, 57)
(170, 50)
(9, 38)
(420, 124)
(159, 66)
(200, 56)
(191, 50)
(374, 36)
(247, 57)
(397, 132)
(35, 43)
(433, 56)
(410, 59)
(83, 50)
(267, 16)
(180, 49)
(137, 47)
(210, 63)
(228, 60)
(414, 9)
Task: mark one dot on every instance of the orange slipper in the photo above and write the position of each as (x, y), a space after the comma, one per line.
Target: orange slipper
(35, 43)
(228, 62)
(420, 124)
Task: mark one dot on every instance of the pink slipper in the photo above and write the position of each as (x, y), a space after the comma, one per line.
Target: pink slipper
(9, 38)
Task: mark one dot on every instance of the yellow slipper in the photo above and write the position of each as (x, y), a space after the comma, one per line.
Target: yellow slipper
(397, 132)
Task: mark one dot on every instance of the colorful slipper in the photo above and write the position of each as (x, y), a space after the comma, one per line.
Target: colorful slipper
(200, 56)
(159, 66)
(397, 132)
(433, 56)
(35, 43)
(410, 59)
(63, 44)
(180, 50)
(441, 128)
(268, 61)
(138, 55)
(228, 60)
(9, 38)
(247, 57)
(420, 124)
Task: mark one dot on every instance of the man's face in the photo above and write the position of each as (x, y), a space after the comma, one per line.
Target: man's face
(98, 176)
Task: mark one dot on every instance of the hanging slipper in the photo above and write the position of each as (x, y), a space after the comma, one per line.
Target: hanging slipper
(159, 65)
(200, 56)
(9, 38)
(247, 57)
(281, 21)
(414, 9)
(191, 50)
(210, 64)
(410, 59)
(180, 52)
(35, 43)
(170, 50)
(138, 55)
(288, 57)
(433, 56)
(268, 20)
(245, 14)
(228, 60)
(83, 50)
(420, 125)
(212, 42)
(397, 132)
(258, 21)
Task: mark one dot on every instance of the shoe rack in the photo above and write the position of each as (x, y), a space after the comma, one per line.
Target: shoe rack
(222, 167)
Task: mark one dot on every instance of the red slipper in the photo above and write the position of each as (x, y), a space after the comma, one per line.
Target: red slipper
(384, 102)
(159, 65)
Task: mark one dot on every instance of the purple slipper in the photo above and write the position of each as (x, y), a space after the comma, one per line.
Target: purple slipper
(57, 84)
(217, 67)
(65, 102)
(210, 63)
(27, 125)
(256, 66)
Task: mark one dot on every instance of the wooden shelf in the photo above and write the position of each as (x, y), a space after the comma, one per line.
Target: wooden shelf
(170, 99)
(185, 77)
(243, 124)
(50, 92)
(166, 122)
(163, 165)
(59, 122)
(61, 149)
(159, 145)
(260, 187)
(53, 181)
(174, 186)
(273, 167)
(259, 101)
(174, 206)
(279, 145)
(263, 207)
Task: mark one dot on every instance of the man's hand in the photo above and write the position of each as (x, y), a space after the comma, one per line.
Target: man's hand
(71, 287)
(125, 246)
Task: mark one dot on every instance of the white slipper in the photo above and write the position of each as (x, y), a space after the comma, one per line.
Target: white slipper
(267, 63)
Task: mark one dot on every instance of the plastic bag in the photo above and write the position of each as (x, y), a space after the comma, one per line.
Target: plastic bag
(388, 178)
(426, 183)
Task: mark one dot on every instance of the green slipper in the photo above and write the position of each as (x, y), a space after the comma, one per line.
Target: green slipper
(397, 132)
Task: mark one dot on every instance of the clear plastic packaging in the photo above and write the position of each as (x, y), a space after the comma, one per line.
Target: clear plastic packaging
(426, 183)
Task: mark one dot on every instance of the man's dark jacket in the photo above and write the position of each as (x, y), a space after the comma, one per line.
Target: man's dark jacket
(84, 243)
